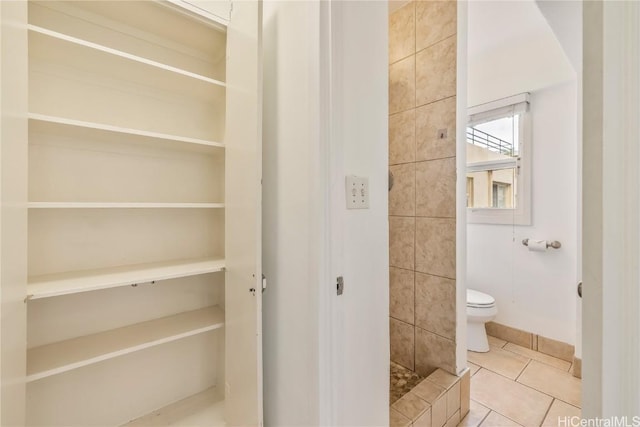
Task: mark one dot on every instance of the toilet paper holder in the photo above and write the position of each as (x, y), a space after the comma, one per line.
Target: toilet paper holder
(554, 244)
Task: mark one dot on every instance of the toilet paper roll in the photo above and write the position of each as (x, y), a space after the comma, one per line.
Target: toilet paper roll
(537, 245)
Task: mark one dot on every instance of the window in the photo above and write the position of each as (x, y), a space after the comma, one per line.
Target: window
(501, 195)
(498, 162)
(469, 191)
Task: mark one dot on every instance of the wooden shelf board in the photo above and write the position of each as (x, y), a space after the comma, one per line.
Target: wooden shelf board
(121, 130)
(121, 54)
(52, 285)
(75, 353)
(202, 409)
(122, 205)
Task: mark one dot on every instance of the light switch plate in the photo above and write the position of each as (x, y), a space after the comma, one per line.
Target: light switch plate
(357, 192)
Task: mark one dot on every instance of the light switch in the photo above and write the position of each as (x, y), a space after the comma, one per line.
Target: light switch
(357, 192)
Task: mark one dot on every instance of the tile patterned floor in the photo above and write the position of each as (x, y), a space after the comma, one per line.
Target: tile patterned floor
(510, 386)
(515, 386)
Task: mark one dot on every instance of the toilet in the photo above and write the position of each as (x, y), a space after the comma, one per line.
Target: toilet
(481, 308)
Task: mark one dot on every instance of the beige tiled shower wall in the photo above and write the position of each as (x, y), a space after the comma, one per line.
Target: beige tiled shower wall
(422, 202)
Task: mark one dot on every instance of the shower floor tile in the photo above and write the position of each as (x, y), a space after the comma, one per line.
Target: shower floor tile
(402, 381)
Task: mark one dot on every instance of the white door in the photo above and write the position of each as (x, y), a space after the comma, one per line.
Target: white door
(243, 192)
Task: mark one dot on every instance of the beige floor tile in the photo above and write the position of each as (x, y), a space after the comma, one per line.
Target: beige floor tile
(473, 368)
(496, 342)
(496, 420)
(559, 410)
(476, 415)
(396, 419)
(500, 361)
(411, 406)
(540, 357)
(559, 384)
(516, 401)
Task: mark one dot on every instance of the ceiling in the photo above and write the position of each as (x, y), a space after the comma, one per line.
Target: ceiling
(511, 49)
(494, 24)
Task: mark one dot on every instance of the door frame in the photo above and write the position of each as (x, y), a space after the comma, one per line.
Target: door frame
(611, 200)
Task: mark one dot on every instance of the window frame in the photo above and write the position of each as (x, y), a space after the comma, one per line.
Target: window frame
(521, 214)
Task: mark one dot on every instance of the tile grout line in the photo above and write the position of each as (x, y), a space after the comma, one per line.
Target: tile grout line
(540, 391)
(435, 43)
(523, 369)
(484, 418)
(525, 385)
(416, 271)
(497, 373)
(415, 227)
(510, 419)
(548, 410)
(422, 216)
(422, 161)
(493, 410)
(539, 361)
(553, 398)
(421, 105)
(548, 395)
(507, 378)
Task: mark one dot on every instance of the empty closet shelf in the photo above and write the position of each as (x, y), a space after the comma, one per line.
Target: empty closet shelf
(56, 358)
(52, 285)
(204, 408)
(122, 205)
(84, 129)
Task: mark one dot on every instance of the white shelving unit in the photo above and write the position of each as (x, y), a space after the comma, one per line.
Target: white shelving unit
(139, 205)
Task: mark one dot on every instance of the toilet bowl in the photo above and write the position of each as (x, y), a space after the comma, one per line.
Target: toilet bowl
(481, 308)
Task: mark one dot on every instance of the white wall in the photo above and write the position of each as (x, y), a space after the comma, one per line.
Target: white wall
(536, 291)
(326, 357)
(565, 19)
(359, 117)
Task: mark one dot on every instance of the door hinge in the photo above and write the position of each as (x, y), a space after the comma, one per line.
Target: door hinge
(340, 285)
(264, 285)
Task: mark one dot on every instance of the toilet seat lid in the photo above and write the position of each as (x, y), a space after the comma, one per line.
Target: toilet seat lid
(479, 299)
